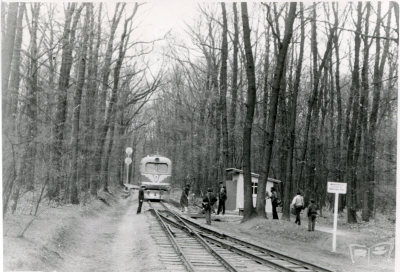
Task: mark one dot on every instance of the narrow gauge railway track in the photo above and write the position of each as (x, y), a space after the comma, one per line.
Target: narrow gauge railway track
(243, 250)
(188, 250)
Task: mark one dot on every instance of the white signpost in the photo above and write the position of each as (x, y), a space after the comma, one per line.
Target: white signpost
(128, 161)
(336, 188)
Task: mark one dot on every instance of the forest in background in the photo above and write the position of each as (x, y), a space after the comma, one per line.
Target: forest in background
(301, 92)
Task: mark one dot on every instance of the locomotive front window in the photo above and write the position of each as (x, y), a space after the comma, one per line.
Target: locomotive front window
(150, 167)
(163, 168)
(156, 168)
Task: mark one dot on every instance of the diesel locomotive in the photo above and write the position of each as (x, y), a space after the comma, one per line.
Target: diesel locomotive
(155, 173)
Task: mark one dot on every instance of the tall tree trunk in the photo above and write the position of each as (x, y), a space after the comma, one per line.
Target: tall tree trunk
(234, 90)
(112, 108)
(314, 107)
(103, 123)
(223, 90)
(363, 120)
(354, 92)
(63, 84)
(248, 124)
(29, 158)
(265, 108)
(272, 114)
(338, 144)
(379, 66)
(74, 181)
(11, 107)
(314, 96)
(292, 123)
(90, 99)
(7, 51)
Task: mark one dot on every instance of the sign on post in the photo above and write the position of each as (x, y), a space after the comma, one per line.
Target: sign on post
(336, 188)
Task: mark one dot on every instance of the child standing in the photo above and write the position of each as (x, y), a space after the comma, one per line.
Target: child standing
(312, 215)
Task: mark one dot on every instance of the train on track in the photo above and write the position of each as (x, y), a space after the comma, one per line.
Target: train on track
(155, 172)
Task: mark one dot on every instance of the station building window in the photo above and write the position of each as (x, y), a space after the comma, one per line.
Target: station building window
(254, 185)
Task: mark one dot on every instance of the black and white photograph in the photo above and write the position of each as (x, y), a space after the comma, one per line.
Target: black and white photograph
(199, 136)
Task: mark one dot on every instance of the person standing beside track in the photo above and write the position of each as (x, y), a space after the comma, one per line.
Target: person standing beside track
(141, 198)
(185, 198)
(221, 203)
(274, 203)
(208, 202)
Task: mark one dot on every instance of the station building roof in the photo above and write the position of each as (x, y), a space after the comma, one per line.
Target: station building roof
(254, 175)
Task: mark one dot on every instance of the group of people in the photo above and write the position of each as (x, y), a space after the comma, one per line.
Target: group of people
(210, 199)
(298, 205)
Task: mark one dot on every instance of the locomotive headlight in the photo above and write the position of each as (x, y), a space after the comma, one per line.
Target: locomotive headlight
(155, 177)
(148, 192)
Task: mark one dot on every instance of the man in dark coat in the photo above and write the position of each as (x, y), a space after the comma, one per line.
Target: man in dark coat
(274, 203)
(141, 198)
(208, 200)
(184, 201)
(221, 203)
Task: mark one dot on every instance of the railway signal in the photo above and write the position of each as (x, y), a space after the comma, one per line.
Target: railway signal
(128, 151)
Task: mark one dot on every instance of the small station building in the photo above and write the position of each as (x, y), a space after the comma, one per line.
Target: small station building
(235, 190)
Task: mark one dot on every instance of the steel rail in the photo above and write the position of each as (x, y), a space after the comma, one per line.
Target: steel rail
(307, 265)
(200, 239)
(175, 244)
(272, 262)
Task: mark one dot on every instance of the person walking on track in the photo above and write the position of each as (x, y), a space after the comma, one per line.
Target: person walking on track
(208, 201)
(298, 203)
(141, 198)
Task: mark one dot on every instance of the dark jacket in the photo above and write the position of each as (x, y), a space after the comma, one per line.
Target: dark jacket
(141, 195)
(209, 199)
(274, 197)
(223, 196)
(184, 197)
(312, 209)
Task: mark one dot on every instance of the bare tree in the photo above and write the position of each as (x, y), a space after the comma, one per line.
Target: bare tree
(251, 99)
(234, 89)
(103, 122)
(68, 40)
(272, 114)
(14, 83)
(223, 90)
(112, 108)
(350, 161)
(292, 122)
(74, 181)
(7, 51)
